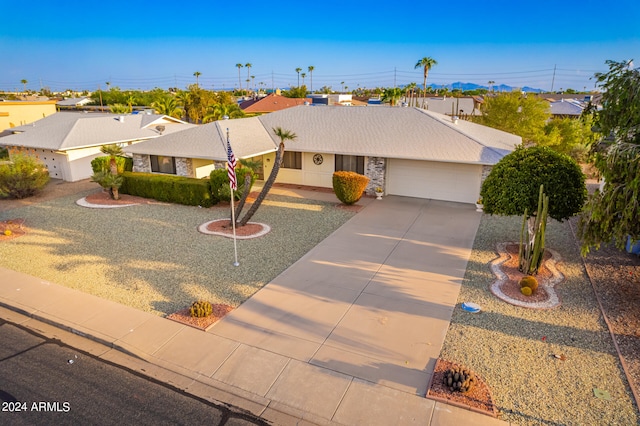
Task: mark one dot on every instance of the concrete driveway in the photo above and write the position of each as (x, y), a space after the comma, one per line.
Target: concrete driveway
(370, 304)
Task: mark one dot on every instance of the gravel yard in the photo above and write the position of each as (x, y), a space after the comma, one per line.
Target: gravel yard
(152, 257)
(513, 348)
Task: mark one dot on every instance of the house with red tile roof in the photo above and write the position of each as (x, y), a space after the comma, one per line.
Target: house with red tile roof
(271, 103)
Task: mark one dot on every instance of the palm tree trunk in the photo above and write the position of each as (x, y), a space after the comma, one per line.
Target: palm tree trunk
(265, 189)
(245, 194)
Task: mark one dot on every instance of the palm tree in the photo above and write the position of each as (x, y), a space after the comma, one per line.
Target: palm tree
(311, 68)
(239, 82)
(248, 65)
(298, 71)
(409, 88)
(491, 83)
(131, 100)
(425, 63)
(167, 105)
(112, 180)
(253, 82)
(303, 75)
(342, 84)
(284, 135)
(391, 95)
(197, 74)
(24, 84)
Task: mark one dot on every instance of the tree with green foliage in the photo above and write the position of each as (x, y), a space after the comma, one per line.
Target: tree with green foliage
(513, 187)
(392, 95)
(517, 113)
(296, 92)
(22, 177)
(569, 136)
(613, 214)
(109, 178)
(167, 105)
(239, 82)
(119, 109)
(283, 135)
(426, 64)
(219, 111)
(311, 68)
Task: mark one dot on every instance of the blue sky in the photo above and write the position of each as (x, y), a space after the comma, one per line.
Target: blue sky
(145, 44)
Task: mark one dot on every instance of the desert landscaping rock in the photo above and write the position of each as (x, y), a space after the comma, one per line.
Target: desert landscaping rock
(512, 347)
(152, 257)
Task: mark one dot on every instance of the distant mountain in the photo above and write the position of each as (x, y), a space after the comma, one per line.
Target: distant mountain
(472, 86)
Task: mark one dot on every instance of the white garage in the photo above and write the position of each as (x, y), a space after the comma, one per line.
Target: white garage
(435, 180)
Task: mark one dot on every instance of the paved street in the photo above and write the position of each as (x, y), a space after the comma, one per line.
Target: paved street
(43, 381)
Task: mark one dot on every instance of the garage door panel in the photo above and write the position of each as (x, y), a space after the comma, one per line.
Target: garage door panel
(439, 181)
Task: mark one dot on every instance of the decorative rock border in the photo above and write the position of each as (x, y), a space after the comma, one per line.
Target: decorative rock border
(203, 229)
(548, 285)
(84, 203)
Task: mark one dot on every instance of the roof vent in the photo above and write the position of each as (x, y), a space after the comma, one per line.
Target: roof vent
(454, 119)
(121, 119)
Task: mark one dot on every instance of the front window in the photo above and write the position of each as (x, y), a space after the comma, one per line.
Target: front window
(292, 160)
(350, 163)
(161, 164)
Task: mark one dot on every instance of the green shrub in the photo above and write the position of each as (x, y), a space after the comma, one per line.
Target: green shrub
(4, 153)
(349, 186)
(219, 180)
(167, 188)
(125, 164)
(22, 177)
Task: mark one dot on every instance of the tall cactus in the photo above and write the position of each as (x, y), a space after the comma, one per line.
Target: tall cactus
(532, 236)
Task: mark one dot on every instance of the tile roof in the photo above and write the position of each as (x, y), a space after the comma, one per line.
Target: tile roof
(567, 107)
(271, 103)
(70, 130)
(248, 138)
(390, 132)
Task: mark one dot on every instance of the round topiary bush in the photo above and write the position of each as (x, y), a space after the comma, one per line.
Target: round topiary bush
(349, 186)
(526, 291)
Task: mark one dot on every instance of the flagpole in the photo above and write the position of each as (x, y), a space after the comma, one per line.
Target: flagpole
(233, 224)
(231, 163)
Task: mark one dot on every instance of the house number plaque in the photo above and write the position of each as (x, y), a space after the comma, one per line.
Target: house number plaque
(317, 159)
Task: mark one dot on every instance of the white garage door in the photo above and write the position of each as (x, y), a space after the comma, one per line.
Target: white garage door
(438, 181)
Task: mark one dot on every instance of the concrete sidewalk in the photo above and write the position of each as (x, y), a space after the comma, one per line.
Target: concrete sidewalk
(348, 335)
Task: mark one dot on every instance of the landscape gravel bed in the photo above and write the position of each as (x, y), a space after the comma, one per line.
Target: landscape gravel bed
(153, 258)
(514, 348)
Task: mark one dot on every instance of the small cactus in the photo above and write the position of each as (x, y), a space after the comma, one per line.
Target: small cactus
(529, 281)
(459, 379)
(200, 309)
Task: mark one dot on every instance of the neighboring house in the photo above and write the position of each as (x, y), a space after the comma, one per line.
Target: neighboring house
(19, 113)
(73, 102)
(66, 142)
(407, 151)
(449, 105)
(271, 103)
(569, 108)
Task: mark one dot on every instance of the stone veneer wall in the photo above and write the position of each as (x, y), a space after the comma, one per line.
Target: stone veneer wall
(375, 169)
(141, 163)
(184, 167)
(485, 172)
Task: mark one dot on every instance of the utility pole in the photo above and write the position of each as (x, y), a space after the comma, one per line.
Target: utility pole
(554, 78)
(394, 77)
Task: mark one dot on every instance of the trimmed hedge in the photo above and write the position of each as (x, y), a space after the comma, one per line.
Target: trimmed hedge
(125, 164)
(349, 186)
(167, 188)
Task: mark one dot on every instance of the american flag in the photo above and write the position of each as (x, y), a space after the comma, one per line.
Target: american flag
(231, 165)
